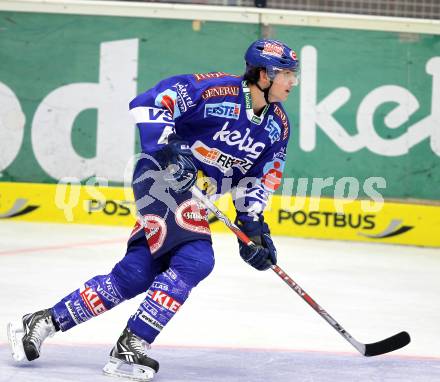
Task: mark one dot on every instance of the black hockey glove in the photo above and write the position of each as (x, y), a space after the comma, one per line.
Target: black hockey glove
(265, 254)
(176, 159)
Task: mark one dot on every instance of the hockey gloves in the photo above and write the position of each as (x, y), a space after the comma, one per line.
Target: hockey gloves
(264, 254)
(176, 159)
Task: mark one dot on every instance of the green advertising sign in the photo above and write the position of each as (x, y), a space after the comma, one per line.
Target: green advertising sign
(368, 104)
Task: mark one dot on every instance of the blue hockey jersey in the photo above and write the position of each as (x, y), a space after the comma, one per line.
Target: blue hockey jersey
(234, 148)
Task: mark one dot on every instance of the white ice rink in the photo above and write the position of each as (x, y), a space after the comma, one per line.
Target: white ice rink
(239, 324)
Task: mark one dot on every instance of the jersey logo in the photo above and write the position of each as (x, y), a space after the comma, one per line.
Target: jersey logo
(190, 215)
(227, 110)
(155, 230)
(274, 129)
(273, 173)
(208, 76)
(184, 101)
(152, 115)
(166, 99)
(244, 142)
(277, 110)
(180, 96)
(217, 158)
(220, 91)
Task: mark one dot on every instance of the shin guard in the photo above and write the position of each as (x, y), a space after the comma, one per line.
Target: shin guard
(98, 295)
(164, 298)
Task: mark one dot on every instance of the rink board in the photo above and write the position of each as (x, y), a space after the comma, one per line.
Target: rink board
(324, 218)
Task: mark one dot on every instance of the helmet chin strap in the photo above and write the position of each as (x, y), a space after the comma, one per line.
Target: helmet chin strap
(265, 91)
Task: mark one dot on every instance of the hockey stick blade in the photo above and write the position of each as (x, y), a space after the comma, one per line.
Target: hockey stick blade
(387, 345)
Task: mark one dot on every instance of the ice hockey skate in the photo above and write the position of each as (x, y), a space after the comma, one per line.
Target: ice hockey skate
(129, 359)
(26, 337)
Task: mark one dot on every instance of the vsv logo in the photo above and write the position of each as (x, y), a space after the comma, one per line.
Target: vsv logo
(227, 110)
(151, 115)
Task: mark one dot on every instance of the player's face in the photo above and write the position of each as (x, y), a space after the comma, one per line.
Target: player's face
(283, 84)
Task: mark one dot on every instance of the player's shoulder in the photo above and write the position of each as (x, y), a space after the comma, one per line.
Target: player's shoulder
(215, 84)
(281, 117)
(216, 77)
(205, 85)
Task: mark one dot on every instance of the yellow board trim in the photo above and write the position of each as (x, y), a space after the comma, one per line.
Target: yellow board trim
(395, 223)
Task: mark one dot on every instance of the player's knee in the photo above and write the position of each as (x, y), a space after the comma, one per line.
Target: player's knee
(204, 268)
(130, 281)
(132, 274)
(194, 261)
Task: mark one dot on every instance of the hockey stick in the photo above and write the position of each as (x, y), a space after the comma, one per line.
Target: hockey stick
(385, 346)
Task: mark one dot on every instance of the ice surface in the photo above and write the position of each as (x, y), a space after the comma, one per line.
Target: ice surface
(239, 324)
(84, 363)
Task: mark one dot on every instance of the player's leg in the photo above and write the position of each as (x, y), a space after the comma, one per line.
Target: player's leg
(131, 276)
(190, 263)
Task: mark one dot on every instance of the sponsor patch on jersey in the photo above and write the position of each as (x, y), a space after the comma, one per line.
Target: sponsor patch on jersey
(274, 129)
(217, 158)
(155, 230)
(169, 98)
(280, 154)
(220, 91)
(209, 76)
(164, 300)
(227, 110)
(273, 173)
(184, 100)
(192, 216)
(92, 301)
(279, 112)
(166, 99)
(272, 49)
(243, 142)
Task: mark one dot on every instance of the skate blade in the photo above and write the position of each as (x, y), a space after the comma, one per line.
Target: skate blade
(15, 336)
(117, 368)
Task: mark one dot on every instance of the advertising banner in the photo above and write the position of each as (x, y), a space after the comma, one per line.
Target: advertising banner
(368, 104)
(396, 223)
(364, 120)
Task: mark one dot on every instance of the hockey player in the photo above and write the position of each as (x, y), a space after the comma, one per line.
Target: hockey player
(232, 130)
